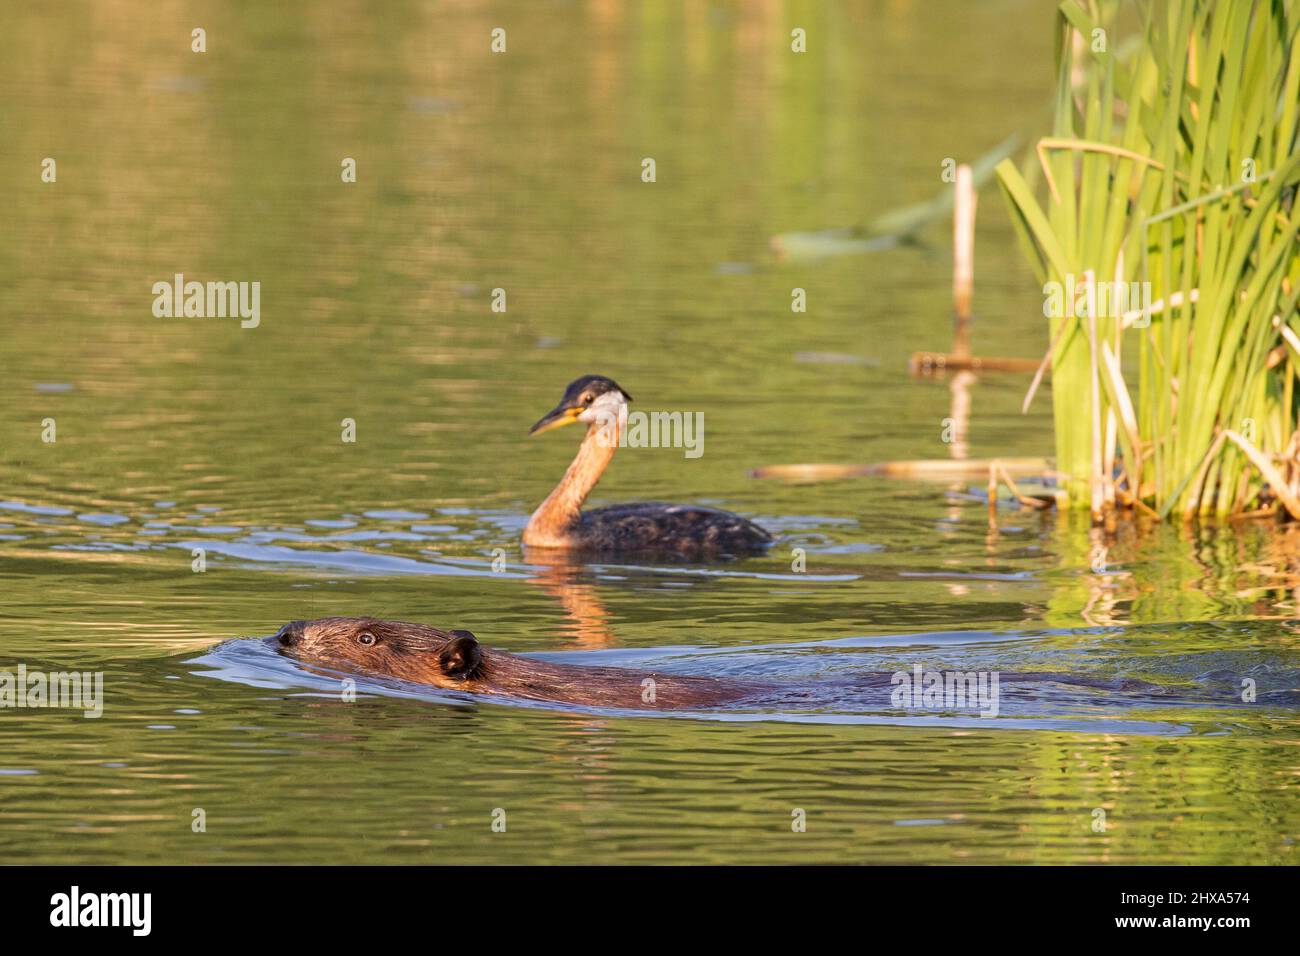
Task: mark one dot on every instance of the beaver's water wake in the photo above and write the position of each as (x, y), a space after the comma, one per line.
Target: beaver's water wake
(392, 659)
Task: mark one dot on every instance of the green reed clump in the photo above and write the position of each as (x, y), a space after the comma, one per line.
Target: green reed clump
(1174, 168)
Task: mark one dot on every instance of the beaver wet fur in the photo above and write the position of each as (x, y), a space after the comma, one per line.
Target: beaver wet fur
(455, 660)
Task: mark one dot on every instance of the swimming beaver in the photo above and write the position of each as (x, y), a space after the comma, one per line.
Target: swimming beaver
(456, 660)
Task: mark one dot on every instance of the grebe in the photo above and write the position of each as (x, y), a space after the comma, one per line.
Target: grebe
(685, 531)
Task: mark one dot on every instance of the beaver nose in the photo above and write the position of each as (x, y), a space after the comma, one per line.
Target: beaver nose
(291, 633)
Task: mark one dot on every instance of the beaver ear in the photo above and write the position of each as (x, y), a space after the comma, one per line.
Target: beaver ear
(461, 656)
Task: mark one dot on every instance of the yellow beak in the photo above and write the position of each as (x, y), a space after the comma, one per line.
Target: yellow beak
(556, 418)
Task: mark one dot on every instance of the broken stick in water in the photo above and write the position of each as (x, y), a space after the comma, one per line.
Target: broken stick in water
(927, 363)
(937, 469)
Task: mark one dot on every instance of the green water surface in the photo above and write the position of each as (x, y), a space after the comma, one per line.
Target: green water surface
(521, 171)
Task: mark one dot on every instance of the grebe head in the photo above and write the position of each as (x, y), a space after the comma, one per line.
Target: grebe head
(589, 399)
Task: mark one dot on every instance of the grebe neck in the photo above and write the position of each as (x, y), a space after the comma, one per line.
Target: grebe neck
(553, 521)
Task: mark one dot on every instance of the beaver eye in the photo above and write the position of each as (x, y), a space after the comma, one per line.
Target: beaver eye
(366, 638)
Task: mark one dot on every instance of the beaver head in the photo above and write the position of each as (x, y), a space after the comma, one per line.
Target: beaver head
(407, 651)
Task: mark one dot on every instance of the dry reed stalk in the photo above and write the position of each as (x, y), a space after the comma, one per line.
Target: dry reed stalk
(963, 258)
(1266, 468)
